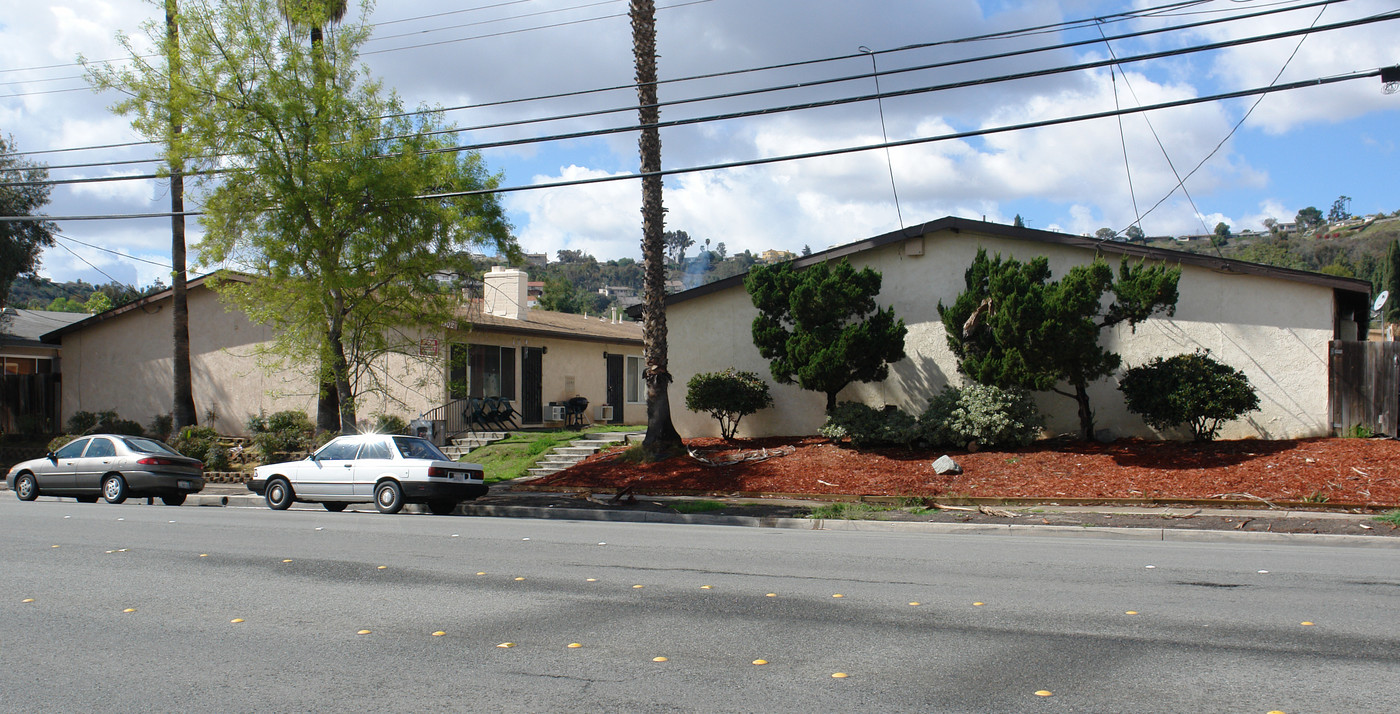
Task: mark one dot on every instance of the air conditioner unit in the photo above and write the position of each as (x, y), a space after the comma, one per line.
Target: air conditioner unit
(604, 412)
(556, 412)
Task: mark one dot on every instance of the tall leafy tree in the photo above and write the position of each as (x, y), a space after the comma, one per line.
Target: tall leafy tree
(661, 440)
(1309, 217)
(324, 202)
(820, 327)
(22, 195)
(1014, 327)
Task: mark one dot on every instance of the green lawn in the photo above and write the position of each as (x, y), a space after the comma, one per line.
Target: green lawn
(513, 456)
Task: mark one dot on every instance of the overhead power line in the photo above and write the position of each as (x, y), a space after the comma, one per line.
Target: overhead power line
(839, 101)
(1301, 84)
(836, 58)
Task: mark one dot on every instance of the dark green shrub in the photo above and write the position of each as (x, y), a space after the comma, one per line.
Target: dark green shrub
(201, 442)
(58, 442)
(727, 396)
(1188, 389)
(867, 426)
(390, 424)
(105, 421)
(990, 416)
(161, 425)
(285, 432)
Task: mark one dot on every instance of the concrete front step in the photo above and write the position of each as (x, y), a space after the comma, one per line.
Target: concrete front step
(562, 457)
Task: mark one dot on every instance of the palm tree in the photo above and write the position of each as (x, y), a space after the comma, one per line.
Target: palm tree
(182, 411)
(661, 440)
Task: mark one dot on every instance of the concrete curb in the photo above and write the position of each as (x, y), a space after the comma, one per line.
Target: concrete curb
(1177, 535)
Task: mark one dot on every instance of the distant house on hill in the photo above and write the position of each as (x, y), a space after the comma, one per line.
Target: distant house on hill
(1274, 324)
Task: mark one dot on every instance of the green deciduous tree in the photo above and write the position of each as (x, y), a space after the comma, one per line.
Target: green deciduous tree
(322, 198)
(727, 396)
(1308, 218)
(21, 242)
(1014, 327)
(821, 328)
(1188, 389)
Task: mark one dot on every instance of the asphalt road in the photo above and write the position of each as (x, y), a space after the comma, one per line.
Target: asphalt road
(134, 607)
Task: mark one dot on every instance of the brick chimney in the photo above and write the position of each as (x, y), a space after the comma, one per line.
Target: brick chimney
(506, 293)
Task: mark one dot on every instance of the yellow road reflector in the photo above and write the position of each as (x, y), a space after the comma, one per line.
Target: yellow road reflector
(382, 567)
(913, 604)
(28, 599)
(235, 620)
(771, 595)
(760, 661)
(204, 555)
(362, 632)
(706, 587)
(1043, 693)
(506, 645)
(838, 595)
(481, 573)
(520, 578)
(129, 609)
(978, 604)
(838, 675)
(592, 580)
(1276, 711)
(1131, 612)
(637, 587)
(1306, 624)
(53, 546)
(574, 645)
(659, 659)
(439, 633)
(119, 550)
(286, 560)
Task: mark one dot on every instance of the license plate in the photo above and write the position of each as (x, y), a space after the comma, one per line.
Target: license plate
(185, 484)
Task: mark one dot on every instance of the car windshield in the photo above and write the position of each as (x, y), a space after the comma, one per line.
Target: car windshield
(411, 447)
(148, 446)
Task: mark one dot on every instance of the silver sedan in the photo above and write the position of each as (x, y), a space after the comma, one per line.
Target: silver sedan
(111, 466)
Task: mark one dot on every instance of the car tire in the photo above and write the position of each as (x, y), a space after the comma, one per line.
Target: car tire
(442, 508)
(279, 494)
(173, 500)
(88, 499)
(26, 488)
(388, 497)
(114, 488)
(335, 506)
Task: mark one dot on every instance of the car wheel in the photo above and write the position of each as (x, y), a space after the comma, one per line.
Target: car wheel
(442, 508)
(279, 494)
(26, 488)
(88, 499)
(114, 488)
(335, 506)
(173, 500)
(388, 497)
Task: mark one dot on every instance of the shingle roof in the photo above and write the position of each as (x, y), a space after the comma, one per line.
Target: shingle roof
(559, 324)
(25, 327)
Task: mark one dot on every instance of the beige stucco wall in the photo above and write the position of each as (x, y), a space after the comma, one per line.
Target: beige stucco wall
(1275, 331)
(125, 364)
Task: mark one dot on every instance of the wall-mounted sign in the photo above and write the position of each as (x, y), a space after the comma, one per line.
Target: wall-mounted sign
(428, 347)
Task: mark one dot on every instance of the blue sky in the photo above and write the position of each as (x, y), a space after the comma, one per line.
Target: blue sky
(1298, 148)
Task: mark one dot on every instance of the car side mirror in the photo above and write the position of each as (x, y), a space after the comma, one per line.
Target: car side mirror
(52, 456)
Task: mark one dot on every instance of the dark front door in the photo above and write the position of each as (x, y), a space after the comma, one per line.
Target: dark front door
(615, 386)
(531, 385)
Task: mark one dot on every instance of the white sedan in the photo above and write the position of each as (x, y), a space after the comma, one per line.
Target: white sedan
(386, 469)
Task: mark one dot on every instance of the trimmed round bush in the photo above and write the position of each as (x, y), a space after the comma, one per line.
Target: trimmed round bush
(727, 396)
(1190, 389)
(990, 416)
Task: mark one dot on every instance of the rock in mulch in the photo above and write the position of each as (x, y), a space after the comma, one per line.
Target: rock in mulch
(946, 465)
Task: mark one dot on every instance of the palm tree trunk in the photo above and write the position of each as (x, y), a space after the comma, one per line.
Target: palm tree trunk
(661, 440)
(182, 413)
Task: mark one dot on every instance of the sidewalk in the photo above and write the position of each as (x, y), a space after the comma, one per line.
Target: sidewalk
(1157, 523)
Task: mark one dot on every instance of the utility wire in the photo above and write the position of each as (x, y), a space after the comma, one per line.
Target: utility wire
(1096, 64)
(799, 63)
(1301, 84)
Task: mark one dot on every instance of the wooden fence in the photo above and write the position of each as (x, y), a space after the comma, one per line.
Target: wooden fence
(1363, 382)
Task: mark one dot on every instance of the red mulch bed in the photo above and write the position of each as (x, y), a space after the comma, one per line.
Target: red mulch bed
(1361, 471)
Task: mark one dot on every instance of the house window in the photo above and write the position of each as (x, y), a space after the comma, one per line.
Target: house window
(482, 371)
(636, 385)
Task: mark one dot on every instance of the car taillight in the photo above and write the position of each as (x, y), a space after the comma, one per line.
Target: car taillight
(438, 472)
(477, 475)
(161, 461)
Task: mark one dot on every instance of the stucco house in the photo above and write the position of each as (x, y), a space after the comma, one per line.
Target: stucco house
(1274, 324)
(29, 369)
(121, 360)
